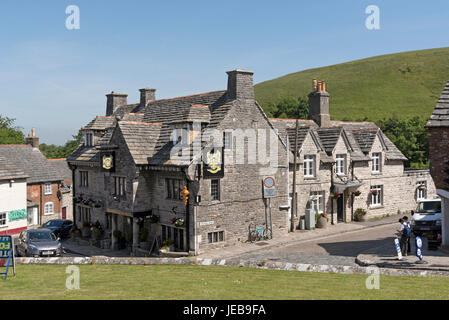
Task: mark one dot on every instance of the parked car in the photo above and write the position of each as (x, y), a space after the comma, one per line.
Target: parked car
(60, 227)
(38, 243)
(427, 217)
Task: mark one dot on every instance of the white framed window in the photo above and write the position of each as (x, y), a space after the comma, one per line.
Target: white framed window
(317, 201)
(3, 219)
(84, 179)
(376, 195)
(227, 140)
(215, 189)
(217, 236)
(341, 164)
(89, 139)
(309, 166)
(49, 208)
(119, 186)
(376, 167)
(421, 190)
(47, 188)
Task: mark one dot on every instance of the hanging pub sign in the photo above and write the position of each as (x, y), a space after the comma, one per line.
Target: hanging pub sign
(107, 161)
(213, 163)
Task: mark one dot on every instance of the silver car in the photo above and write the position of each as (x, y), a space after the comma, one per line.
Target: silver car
(38, 243)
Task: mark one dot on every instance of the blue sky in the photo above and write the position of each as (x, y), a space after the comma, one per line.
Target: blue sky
(56, 79)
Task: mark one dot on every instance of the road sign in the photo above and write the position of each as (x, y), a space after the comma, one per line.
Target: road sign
(269, 187)
(6, 254)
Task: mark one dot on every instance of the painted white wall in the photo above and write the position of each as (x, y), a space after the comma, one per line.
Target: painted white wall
(13, 197)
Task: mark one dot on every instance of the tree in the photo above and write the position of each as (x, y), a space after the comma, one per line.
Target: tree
(290, 108)
(410, 136)
(54, 152)
(10, 134)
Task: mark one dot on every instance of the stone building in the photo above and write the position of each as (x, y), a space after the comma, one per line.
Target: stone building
(44, 183)
(61, 167)
(438, 128)
(338, 160)
(220, 146)
(147, 175)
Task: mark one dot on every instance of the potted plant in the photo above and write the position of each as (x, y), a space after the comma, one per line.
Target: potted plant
(97, 233)
(143, 237)
(359, 215)
(321, 220)
(334, 195)
(167, 245)
(356, 193)
(85, 231)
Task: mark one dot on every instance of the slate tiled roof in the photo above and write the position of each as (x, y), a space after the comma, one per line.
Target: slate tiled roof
(440, 114)
(140, 138)
(359, 136)
(101, 123)
(31, 161)
(128, 108)
(137, 117)
(83, 153)
(62, 168)
(9, 171)
(176, 109)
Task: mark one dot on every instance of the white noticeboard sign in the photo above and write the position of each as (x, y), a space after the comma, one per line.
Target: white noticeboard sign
(269, 187)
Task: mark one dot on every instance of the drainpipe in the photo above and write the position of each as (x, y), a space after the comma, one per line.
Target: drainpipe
(332, 190)
(73, 194)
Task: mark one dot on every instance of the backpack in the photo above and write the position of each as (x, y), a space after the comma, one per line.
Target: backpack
(407, 232)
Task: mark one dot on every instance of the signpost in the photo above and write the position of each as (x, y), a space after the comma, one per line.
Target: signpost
(269, 191)
(7, 254)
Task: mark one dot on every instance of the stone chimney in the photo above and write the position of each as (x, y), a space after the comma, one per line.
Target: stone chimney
(319, 104)
(32, 140)
(240, 84)
(146, 95)
(115, 100)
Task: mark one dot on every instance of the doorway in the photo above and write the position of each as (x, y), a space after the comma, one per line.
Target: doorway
(340, 208)
(64, 213)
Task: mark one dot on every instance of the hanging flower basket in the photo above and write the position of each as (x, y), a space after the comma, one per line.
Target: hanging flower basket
(154, 218)
(422, 187)
(98, 204)
(335, 195)
(178, 222)
(356, 193)
(374, 192)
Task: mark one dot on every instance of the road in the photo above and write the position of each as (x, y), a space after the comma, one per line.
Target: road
(335, 250)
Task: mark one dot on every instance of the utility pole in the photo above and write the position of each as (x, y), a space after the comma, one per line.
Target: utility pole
(294, 202)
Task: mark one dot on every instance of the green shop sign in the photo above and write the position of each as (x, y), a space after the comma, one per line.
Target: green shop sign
(17, 215)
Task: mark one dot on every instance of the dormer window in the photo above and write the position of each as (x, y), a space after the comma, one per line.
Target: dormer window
(181, 134)
(89, 139)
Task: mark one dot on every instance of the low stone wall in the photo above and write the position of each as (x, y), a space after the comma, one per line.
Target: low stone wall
(101, 260)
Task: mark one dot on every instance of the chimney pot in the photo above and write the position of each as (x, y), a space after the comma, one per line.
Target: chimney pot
(32, 140)
(314, 85)
(323, 85)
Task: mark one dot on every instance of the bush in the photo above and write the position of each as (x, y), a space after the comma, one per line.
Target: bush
(360, 212)
(143, 234)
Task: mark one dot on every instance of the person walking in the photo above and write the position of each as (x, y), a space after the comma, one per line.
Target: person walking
(408, 225)
(400, 234)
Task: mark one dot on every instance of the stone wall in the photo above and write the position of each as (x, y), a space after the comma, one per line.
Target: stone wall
(439, 156)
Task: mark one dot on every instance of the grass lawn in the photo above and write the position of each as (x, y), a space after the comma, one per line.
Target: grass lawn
(211, 282)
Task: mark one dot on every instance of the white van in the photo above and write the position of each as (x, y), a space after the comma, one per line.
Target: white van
(427, 217)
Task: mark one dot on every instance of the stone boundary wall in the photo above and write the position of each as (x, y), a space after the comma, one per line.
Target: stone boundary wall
(101, 260)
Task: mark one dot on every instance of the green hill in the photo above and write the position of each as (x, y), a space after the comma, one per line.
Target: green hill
(403, 84)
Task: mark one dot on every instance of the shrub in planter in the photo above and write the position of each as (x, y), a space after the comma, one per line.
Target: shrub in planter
(97, 233)
(168, 245)
(321, 220)
(360, 214)
(143, 235)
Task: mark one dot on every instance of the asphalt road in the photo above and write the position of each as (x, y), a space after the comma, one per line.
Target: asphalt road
(336, 250)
